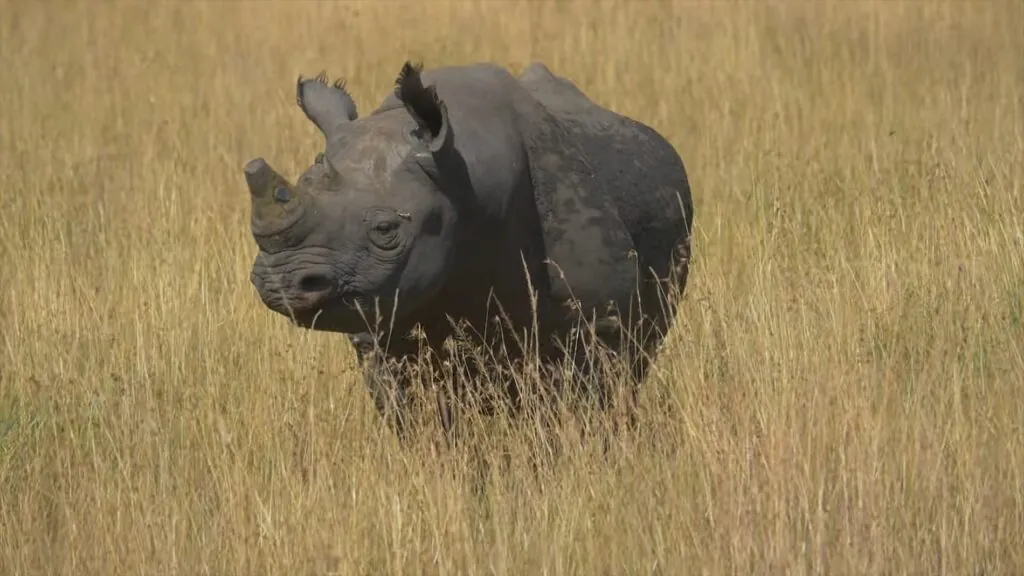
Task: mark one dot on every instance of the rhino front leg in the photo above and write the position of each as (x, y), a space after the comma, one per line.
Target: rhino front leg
(386, 386)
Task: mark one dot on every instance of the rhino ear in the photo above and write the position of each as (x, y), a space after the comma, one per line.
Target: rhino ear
(329, 106)
(424, 105)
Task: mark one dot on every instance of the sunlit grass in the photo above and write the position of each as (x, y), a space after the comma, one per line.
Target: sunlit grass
(842, 393)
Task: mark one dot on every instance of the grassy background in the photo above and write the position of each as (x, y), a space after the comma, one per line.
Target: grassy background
(843, 394)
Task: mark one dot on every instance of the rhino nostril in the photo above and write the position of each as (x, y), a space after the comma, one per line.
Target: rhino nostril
(315, 283)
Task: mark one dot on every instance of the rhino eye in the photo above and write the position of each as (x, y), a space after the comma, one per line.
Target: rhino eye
(319, 158)
(281, 194)
(384, 234)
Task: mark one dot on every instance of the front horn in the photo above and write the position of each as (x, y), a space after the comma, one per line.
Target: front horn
(275, 205)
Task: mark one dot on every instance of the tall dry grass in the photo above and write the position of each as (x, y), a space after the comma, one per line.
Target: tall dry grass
(843, 393)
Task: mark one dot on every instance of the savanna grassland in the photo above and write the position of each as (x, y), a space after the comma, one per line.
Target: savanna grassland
(844, 392)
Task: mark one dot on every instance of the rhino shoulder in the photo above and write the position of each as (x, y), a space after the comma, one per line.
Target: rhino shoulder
(558, 94)
(605, 187)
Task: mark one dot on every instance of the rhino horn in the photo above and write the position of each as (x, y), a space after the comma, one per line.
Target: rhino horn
(274, 202)
(327, 105)
(260, 177)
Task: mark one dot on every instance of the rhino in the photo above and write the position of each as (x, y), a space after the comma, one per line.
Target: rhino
(472, 201)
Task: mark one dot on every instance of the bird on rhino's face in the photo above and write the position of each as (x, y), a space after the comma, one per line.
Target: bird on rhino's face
(366, 234)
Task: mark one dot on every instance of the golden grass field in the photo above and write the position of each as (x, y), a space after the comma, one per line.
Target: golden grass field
(843, 394)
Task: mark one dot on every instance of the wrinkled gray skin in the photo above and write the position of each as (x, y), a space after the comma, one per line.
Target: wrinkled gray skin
(460, 183)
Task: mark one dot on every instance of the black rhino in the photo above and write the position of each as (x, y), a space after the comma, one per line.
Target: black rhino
(469, 195)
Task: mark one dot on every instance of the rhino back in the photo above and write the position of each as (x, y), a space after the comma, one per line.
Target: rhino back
(614, 166)
(632, 165)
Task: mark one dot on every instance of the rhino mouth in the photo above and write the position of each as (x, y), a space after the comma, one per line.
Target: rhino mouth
(348, 312)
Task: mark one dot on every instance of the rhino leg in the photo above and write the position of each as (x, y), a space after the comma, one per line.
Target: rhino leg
(631, 342)
(389, 377)
(386, 385)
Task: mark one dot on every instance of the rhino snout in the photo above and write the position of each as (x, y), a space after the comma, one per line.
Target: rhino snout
(301, 291)
(315, 282)
(310, 288)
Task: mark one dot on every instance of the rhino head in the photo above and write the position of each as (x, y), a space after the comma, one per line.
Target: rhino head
(366, 235)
